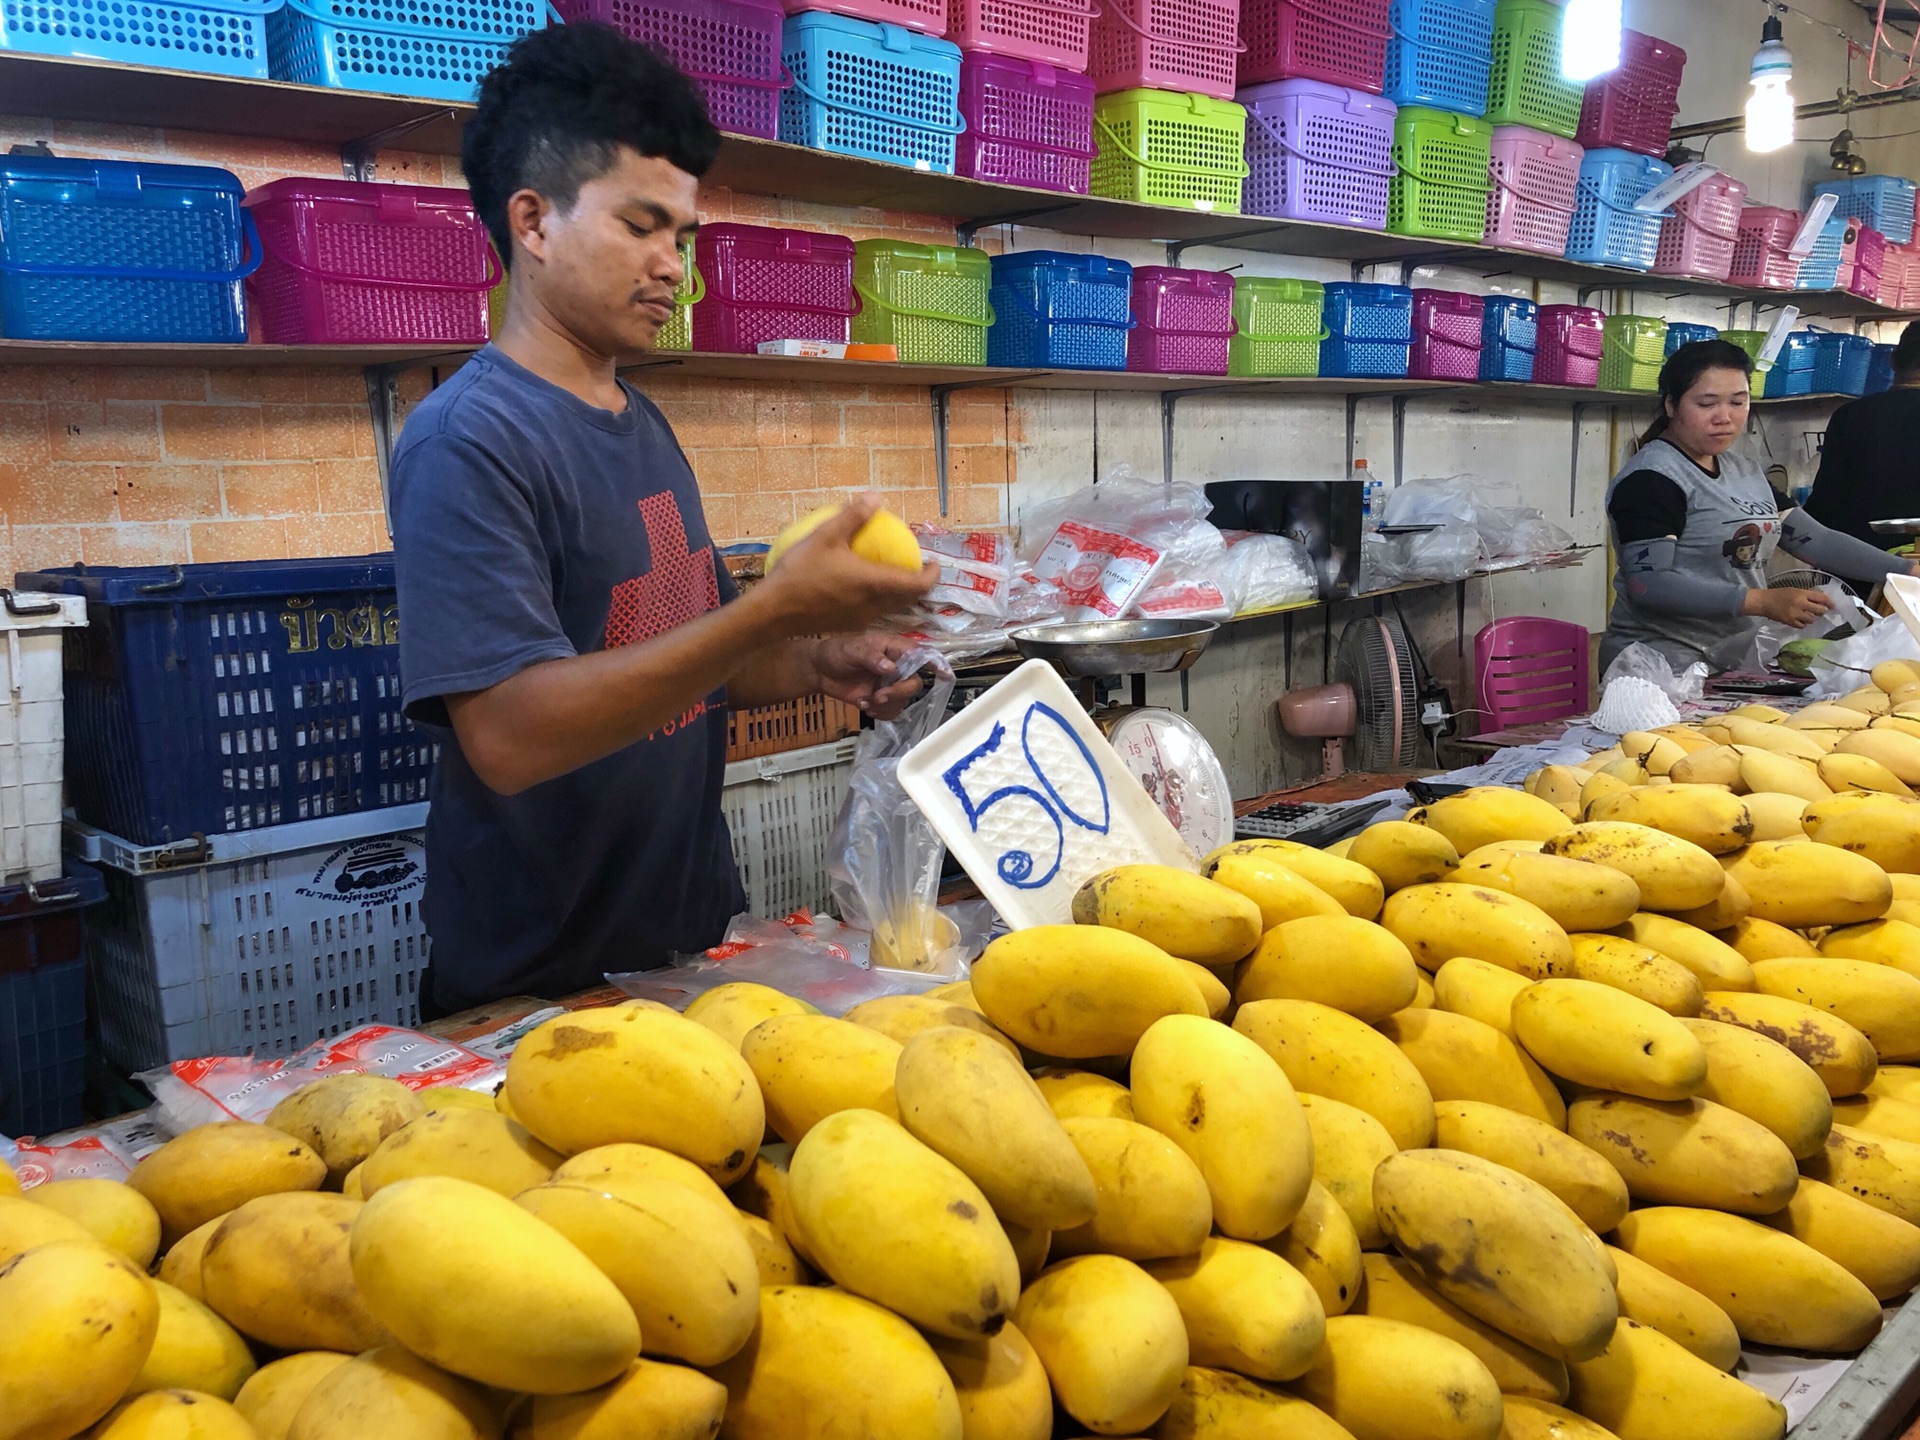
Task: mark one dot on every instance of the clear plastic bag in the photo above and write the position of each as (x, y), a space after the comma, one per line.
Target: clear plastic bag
(1449, 552)
(1646, 663)
(1847, 664)
(1105, 545)
(1264, 572)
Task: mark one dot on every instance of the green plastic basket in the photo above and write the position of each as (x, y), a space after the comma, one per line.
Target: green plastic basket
(1441, 175)
(930, 300)
(1753, 342)
(1278, 326)
(1168, 147)
(1634, 350)
(1526, 87)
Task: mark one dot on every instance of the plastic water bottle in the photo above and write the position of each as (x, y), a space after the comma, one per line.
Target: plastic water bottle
(1373, 498)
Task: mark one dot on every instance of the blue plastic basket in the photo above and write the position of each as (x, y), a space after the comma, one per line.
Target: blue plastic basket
(433, 49)
(1441, 54)
(1793, 371)
(43, 1001)
(1885, 202)
(1606, 229)
(1681, 333)
(1369, 330)
(1821, 269)
(877, 91)
(1880, 370)
(1841, 363)
(214, 37)
(1509, 333)
(1057, 310)
(115, 250)
(209, 698)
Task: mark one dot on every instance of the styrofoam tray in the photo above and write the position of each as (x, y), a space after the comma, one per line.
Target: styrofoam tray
(1904, 593)
(1032, 800)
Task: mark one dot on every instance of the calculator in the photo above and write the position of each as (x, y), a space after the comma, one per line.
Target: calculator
(1305, 823)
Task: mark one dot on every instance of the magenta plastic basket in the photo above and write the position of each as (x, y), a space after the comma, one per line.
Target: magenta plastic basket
(351, 263)
(1869, 257)
(1190, 45)
(1762, 255)
(1027, 124)
(1533, 189)
(1632, 108)
(1318, 153)
(729, 48)
(770, 284)
(1698, 240)
(929, 17)
(1340, 42)
(1053, 32)
(1571, 340)
(1447, 328)
(1183, 321)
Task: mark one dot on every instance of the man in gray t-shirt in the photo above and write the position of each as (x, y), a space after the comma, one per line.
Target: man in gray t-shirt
(565, 622)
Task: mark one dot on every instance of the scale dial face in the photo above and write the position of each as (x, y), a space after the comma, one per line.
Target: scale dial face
(1176, 767)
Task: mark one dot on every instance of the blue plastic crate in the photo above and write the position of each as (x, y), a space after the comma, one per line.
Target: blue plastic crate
(1880, 370)
(1841, 363)
(1441, 54)
(207, 698)
(433, 49)
(1885, 202)
(877, 91)
(1509, 334)
(122, 251)
(1369, 330)
(214, 37)
(1793, 371)
(1053, 309)
(1606, 229)
(1821, 269)
(1680, 333)
(43, 1001)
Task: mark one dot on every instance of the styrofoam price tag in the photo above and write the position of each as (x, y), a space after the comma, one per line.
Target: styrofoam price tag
(1903, 592)
(1810, 228)
(1777, 338)
(1032, 800)
(1683, 182)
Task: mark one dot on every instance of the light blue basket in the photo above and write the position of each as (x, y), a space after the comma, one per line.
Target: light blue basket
(1509, 334)
(1441, 54)
(1369, 330)
(215, 37)
(1606, 229)
(431, 49)
(1680, 333)
(1052, 309)
(877, 91)
(1792, 373)
(1841, 363)
(1821, 269)
(1885, 202)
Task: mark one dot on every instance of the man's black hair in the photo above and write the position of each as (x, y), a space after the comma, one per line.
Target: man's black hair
(1906, 355)
(555, 114)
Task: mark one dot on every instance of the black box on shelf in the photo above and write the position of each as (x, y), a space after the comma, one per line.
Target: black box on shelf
(1323, 515)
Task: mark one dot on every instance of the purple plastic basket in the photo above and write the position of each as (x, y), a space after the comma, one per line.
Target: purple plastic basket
(1570, 343)
(1632, 106)
(1183, 321)
(1027, 124)
(770, 284)
(729, 48)
(1318, 153)
(1447, 339)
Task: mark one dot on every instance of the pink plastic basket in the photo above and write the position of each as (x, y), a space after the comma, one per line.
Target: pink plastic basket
(1862, 276)
(1894, 270)
(1571, 340)
(1632, 108)
(349, 263)
(1534, 189)
(1054, 32)
(1318, 153)
(929, 17)
(1446, 335)
(729, 48)
(1190, 45)
(768, 284)
(1762, 256)
(1027, 124)
(1183, 321)
(1699, 238)
(1341, 42)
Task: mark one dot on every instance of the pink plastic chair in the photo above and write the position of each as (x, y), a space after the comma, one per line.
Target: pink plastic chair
(1527, 670)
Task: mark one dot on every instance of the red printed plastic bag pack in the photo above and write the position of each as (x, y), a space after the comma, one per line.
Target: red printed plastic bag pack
(1107, 548)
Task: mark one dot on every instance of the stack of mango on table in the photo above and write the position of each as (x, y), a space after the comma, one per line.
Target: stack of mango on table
(1511, 1120)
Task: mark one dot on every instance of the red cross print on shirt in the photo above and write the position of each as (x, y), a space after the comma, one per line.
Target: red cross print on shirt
(679, 587)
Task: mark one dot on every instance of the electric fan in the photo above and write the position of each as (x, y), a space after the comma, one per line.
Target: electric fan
(1373, 701)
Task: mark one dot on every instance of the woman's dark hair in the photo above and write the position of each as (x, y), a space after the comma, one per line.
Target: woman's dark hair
(557, 112)
(1683, 371)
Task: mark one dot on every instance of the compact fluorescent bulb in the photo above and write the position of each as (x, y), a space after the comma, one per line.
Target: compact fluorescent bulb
(1770, 118)
(1590, 39)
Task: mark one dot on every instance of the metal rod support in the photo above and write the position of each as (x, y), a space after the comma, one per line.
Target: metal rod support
(967, 229)
(939, 398)
(1169, 401)
(1400, 439)
(1178, 248)
(357, 157)
(1353, 429)
(1813, 110)
(383, 406)
(1286, 639)
(1460, 618)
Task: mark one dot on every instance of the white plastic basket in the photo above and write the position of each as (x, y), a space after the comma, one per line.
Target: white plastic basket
(33, 732)
(258, 942)
(780, 810)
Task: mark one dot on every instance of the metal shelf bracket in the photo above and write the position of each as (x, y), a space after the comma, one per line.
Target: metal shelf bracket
(967, 229)
(357, 157)
(939, 395)
(383, 405)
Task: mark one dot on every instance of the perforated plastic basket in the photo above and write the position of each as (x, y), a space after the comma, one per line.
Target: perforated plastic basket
(1569, 344)
(729, 48)
(1762, 256)
(1183, 45)
(1339, 42)
(1607, 229)
(1821, 269)
(1841, 363)
(113, 250)
(216, 37)
(1680, 333)
(1524, 85)
(769, 284)
(1170, 149)
(434, 49)
(928, 17)
(1369, 330)
(1793, 372)
(930, 300)
(349, 263)
(1447, 335)
(876, 91)
(1054, 309)
(1699, 239)
(1880, 370)
(1886, 202)
(1635, 349)
(781, 811)
(43, 999)
(1441, 54)
(1318, 153)
(1632, 107)
(1442, 165)
(1278, 326)
(1027, 124)
(1895, 267)
(1535, 181)
(1509, 332)
(1860, 275)
(1053, 32)
(1183, 320)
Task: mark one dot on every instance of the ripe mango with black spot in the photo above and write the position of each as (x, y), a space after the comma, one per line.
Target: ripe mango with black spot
(1602, 1037)
(1326, 1052)
(1151, 1200)
(1879, 1001)
(1879, 1250)
(1080, 991)
(1838, 1053)
(1680, 1312)
(1383, 1379)
(1281, 892)
(1766, 1082)
(1486, 813)
(1404, 854)
(1708, 816)
(1610, 960)
(1805, 885)
(1322, 1245)
(213, 1169)
(1687, 1152)
(1878, 1169)
(1396, 1290)
(343, 1118)
(1673, 874)
(1756, 940)
(52, 1298)
(1438, 922)
(1186, 915)
(278, 1269)
(1589, 1186)
(1462, 1059)
(1572, 893)
(1217, 1404)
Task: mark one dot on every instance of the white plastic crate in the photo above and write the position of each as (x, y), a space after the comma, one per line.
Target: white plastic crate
(259, 942)
(33, 732)
(780, 810)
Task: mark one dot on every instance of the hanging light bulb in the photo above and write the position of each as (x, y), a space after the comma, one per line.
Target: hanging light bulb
(1770, 115)
(1590, 38)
